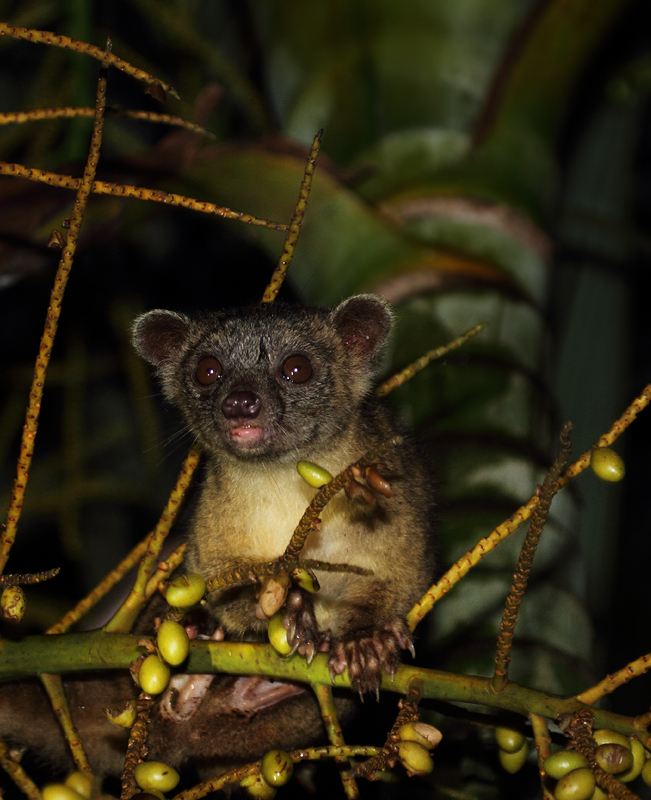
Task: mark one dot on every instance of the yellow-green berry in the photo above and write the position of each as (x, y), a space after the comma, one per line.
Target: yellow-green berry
(153, 675)
(155, 775)
(415, 758)
(607, 464)
(314, 474)
(13, 603)
(646, 772)
(426, 735)
(59, 791)
(562, 762)
(639, 757)
(185, 590)
(277, 767)
(576, 785)
(173, 642)
(606, 736)
(82, 783)
(513, 762)
(278, 635)
(258, 787)
(613, 758)
(509, 739)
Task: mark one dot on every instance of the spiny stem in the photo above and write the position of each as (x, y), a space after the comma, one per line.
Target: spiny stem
(51, 323)
(525, 564)
(271, 292)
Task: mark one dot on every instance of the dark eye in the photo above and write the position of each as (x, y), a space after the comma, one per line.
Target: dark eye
(297, 369)
(208, 371)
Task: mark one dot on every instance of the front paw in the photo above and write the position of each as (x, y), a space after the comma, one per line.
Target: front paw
(300, 623)
(367, 654)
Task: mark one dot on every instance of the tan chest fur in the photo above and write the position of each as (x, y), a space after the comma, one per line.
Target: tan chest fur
(252, 513)
(254, 510)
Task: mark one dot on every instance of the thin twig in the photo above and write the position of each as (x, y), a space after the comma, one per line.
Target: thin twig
(137, 746)
(330, 718)
(251, 572)
(18, 579)
(51, 323)
(324, 495)
(123, 619)
(53, 685)
(408, 372)
(578, 728)
(102, 588)
(271, 292)
(139, 192)
(18, 774)
(614, 681)
(388, 756)
(297, 756)
(543, 743)
(525, 564)
(485, 545)
(105, 56)
(72, 112)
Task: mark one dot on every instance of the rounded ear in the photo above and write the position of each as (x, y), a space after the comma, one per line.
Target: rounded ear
(158, 335)
(364, 323)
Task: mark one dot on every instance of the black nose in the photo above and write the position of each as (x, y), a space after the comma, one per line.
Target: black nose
(241, 404)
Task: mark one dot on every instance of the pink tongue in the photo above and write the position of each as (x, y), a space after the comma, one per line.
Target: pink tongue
(247, 433)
